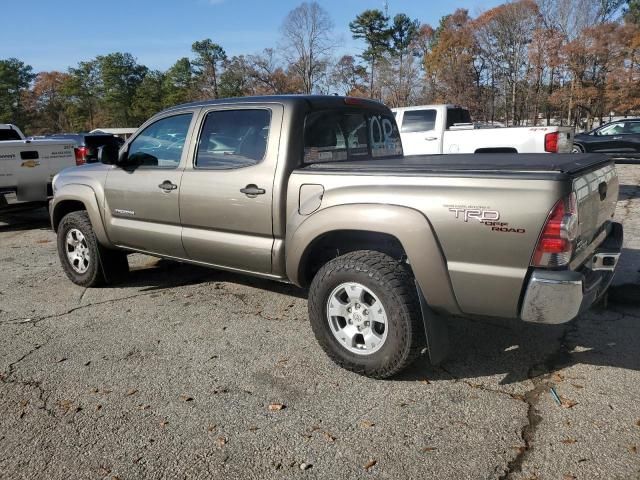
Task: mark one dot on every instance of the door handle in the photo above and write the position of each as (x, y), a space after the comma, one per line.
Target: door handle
(252, 190)
(617, 138)
(430, 139)
(167, 186)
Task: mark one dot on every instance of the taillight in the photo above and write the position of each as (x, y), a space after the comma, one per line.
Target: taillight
(81, 155)
(551, 141)
(556, 242)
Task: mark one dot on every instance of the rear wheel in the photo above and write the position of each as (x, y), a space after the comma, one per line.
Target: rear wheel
(365, 313)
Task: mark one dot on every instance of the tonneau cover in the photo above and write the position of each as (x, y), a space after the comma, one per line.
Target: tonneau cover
(562, 163)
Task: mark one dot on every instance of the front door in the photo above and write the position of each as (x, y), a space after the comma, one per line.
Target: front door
(226, 196)
(142, 197)
(418, 132)
(610, 139)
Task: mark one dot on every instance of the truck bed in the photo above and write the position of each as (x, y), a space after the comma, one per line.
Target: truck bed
(535, 165)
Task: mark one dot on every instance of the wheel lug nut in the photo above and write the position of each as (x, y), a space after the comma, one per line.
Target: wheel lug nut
(366, 324)
(357, 305)
(365, 312)
(349, 309)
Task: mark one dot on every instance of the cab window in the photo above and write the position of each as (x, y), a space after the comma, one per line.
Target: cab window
(633, 127)
(612, 129)
(233, 139)
(160, 144)
(418, 121)
(335, 135)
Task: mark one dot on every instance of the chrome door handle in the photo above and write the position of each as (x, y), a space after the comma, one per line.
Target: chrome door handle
(167, 186)
(252, 190)
(430, 139)
(617, 138)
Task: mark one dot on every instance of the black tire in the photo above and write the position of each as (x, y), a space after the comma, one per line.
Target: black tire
(577, 148)
(104, 265)
(393, 283)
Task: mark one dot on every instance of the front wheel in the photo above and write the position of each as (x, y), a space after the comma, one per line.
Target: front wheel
(577, 149)
(84, 260)
(365, 313)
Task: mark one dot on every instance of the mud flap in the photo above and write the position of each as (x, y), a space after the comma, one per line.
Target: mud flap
(435, 329)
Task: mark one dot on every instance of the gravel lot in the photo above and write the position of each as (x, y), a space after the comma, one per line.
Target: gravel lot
(175, 374)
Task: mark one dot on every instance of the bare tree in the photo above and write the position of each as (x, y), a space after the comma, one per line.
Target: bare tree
(307, 38)
(504, 33)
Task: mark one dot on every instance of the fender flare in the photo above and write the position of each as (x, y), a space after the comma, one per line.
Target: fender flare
(85, 195)
(412, 229)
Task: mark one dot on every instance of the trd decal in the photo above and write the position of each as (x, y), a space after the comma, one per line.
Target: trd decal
(477, 213)
(483, 215)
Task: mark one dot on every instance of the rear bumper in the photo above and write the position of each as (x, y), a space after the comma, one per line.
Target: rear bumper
(558, 296)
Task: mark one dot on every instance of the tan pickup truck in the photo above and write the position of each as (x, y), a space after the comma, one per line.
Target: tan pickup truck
(316, 191)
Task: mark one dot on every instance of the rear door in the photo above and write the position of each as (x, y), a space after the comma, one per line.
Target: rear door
(142, 201)
(226, 197)
(420, 132)
(632, 137)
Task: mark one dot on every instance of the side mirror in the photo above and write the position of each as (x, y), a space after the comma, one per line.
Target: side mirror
(110, 155)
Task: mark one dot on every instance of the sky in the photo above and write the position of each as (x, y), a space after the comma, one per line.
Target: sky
(57, 34)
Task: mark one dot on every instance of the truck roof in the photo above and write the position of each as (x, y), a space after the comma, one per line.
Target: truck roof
(295, 101)
(422, 107)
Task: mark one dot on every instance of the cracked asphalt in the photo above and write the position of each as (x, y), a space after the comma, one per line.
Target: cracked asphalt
(182, 372)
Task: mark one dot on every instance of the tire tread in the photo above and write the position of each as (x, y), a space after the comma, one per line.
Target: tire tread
(391, 274)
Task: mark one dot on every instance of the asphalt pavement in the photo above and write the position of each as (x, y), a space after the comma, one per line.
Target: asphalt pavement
(184, 372)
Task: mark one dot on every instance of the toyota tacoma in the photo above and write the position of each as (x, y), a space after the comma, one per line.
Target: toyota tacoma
(315, 191)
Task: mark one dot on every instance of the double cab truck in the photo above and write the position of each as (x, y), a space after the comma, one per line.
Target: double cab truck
(27, 166)
(315, 191)
(447, 129)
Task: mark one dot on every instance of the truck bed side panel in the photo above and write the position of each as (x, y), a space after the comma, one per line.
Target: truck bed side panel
(487, 263)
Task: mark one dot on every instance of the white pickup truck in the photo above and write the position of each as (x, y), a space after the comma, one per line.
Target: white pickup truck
(28, 166)
(435, 129)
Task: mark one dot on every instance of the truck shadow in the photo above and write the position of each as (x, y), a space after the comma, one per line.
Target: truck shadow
(514, 350)
(510, 350)
(628, 192)
(24, 218)
(160, 274)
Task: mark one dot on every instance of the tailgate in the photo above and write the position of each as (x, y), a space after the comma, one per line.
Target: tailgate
(565, 139)
(596, 195)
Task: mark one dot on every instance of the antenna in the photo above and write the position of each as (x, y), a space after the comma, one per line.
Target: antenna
(386, 8)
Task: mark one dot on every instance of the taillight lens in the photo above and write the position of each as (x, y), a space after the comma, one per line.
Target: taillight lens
(556, 243)
(81, 155)
(551, 141)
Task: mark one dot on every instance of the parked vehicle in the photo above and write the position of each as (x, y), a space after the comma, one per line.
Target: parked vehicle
(27, 168)
(123, 133)
(433, 129)
(10, 132)
(620, 138)
(87, 144)
(315, 191)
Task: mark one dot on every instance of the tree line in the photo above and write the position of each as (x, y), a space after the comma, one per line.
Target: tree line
(523, 62)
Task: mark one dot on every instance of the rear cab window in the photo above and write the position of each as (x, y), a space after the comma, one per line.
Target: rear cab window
(458, 116)
(338, 135)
